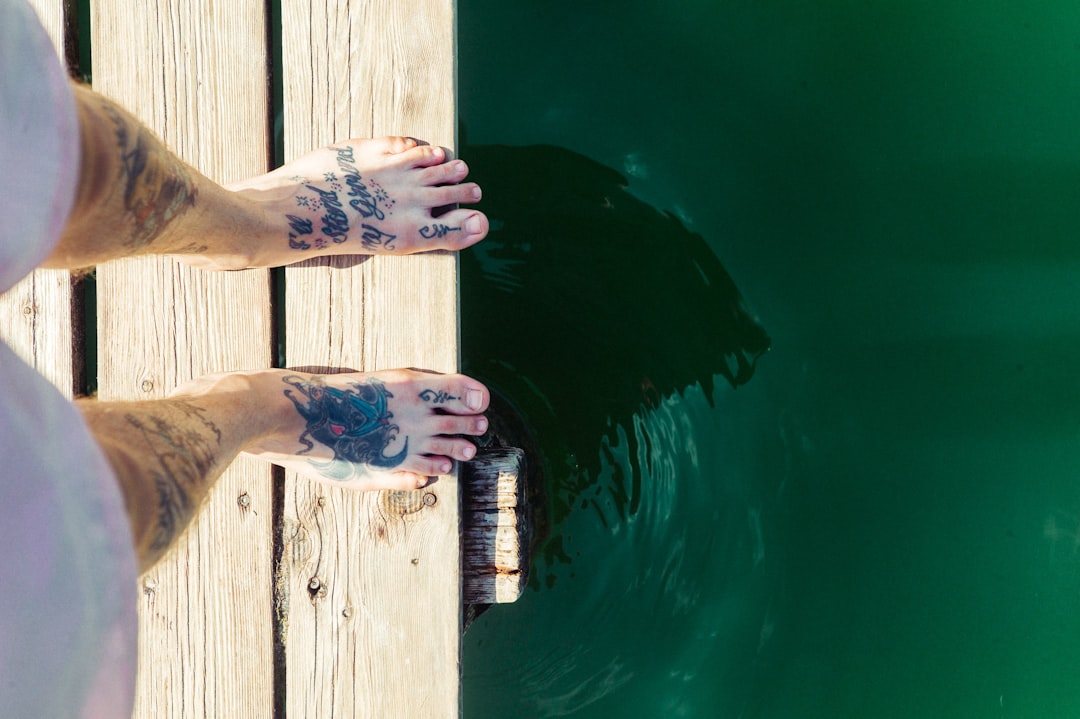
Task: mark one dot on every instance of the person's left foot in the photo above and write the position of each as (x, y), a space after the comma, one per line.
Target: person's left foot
(365, 197)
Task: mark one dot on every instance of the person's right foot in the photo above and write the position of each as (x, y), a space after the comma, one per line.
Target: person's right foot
(379, 430)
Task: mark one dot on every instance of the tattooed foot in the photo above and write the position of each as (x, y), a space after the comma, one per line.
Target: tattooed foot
(366, 197)
(384, 430)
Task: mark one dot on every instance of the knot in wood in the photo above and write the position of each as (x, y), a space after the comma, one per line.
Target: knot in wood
(399, 504)
(244, 500)
(315, 589)
(147, 386)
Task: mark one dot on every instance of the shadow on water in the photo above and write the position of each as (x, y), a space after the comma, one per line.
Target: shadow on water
(628, 350)
(612, 304)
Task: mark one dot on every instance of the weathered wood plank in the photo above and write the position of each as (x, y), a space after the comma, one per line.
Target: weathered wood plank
(371, 582)
(53, 14)
(38, 320)
(496, 531)
(39, 316)
(196, 72)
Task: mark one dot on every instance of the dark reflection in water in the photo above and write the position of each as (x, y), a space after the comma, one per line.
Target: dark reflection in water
(607, 324)
(586, 304)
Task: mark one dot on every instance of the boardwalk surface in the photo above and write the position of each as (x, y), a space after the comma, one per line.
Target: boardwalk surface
(371, 581)
(283, 596)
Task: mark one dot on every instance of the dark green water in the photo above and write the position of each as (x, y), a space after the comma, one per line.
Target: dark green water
(884, 519)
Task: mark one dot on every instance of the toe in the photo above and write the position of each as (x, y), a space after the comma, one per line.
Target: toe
(455, 394)
(443, 199)
(449, 447)
(424, 156)
(467, 228)
(450, 424)
(452, 195)
(474, 396)
(373, 148)
(447, 173)
(397, 481)
(432, 466)
(395, 145)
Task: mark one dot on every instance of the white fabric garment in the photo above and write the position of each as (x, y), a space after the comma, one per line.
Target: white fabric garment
(67, 566)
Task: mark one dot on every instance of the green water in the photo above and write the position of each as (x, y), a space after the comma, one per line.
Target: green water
(884, 519)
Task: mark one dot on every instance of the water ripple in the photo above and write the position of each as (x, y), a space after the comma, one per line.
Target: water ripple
(667, 595)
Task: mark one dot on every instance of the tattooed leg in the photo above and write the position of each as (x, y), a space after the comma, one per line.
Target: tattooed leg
(166, 454)
(376, 431)
(156, 186)
(388, 196)
(385, 196)
(385, 430)
(136, 197)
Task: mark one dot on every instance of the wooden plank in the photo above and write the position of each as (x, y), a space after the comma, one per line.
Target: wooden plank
(39, 317)
(370, 584)
(195, 72)
(53, 14)
(38, 321)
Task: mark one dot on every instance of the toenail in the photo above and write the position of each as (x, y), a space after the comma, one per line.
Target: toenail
(473, 227)
(469, 452)
(444, 468)
(474, 399)
(481, 425)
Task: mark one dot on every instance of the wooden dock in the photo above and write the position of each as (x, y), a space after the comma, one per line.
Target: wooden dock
(285, 598)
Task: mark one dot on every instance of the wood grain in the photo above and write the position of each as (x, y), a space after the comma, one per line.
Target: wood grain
(196, 73)
(370, 584)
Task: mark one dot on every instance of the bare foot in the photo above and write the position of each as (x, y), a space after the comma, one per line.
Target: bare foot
(365, 197)
(381, 430)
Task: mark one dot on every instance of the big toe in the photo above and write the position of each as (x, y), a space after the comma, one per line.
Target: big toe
(456, 394)
(474, 396)
(476, 227)
(456, 229)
